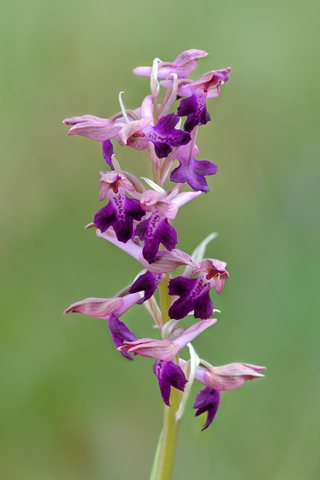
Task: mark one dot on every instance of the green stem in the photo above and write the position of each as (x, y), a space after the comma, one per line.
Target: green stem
(168, 439)
(165, 299)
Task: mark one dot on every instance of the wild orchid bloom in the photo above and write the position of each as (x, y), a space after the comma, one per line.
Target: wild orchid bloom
(109, 309)
(182, 66)
(219, 379)
(190, 170)
(194, 292)
(197, 92)
(121, 211)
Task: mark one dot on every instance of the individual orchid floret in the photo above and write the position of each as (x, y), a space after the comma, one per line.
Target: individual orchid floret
(147, 283)
(194, 292)
(166, 349)
(197, 92)
(191, 170)
(121, 211)
(163, 135)
(226, 377)
(207, 401)
(183, 65)
(98, 129)
(169, 375)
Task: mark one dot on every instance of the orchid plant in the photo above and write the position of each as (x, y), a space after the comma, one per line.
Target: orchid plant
(138, 219)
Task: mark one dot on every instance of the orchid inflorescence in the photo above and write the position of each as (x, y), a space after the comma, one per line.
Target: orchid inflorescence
(138, 221)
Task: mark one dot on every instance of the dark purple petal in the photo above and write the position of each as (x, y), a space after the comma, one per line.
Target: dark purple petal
(207, 400)
(123, 228)
(105, 217)
(162, 149)
(169, 375)
(194, 295)
(154, 231)
(203, 306)
(133, 209)
(164, 136)
(194, 174)
(107, 152)
(181, 285)
(166, 124)
(180, 308)
(148, 282)
(120, 333)
(119, 213)
(194, 108)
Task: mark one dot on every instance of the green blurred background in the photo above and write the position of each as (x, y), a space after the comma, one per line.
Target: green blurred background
(71, 407)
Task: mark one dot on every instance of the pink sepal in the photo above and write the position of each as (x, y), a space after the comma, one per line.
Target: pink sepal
(165, 349)
(183, 65)
(165, 261)
(151, 200)
(216, 273)
(228, 376)
(98, 129)
(148, 347)
(168, 261)
(209, 82)
(108, 181)
(104, 307)
(185, 197)
(192, 332)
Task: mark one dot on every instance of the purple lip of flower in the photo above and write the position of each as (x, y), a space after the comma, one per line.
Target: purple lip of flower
(164, 136)
(153, 231)
(148, 282)
(121, 211)
(191, 170)
(182, 66)
(169, 375)
(194, 292)
(120, 333)
(208, 401)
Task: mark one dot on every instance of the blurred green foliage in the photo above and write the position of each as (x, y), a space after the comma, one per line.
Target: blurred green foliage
(71, 407)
